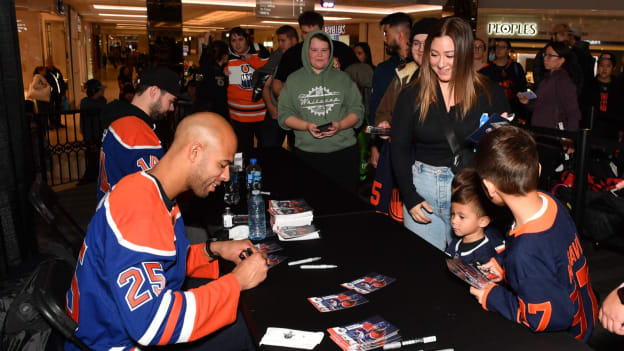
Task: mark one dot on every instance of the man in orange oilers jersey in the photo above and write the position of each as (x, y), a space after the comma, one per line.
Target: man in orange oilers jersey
(246, 115)
(127, 289)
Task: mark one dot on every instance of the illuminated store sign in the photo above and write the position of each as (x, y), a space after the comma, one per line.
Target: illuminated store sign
(511, 29)
(336, 29)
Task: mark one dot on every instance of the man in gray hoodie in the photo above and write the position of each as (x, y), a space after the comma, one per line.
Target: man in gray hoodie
(318, 94)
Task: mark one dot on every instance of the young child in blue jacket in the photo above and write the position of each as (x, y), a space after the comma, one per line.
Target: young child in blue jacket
(544, 280)
(476, 241)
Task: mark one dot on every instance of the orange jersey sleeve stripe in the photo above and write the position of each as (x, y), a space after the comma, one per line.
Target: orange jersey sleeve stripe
(486, 292)
(172, 321)
(216, 304)
(198, 265)
(132, 132)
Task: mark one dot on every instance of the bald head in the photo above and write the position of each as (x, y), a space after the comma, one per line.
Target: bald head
(199, 158)
(205, 128)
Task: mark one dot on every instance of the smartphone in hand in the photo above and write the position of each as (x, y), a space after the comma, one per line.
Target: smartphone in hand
(324, 127)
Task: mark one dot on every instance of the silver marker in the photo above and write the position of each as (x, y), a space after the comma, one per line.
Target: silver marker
(318, 266)
(399, 344)
(307, 260)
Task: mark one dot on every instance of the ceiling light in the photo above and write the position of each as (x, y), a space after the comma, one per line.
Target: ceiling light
(219, 3)
(123, 20)
(120, 8)
(254, 26)
(121, 15)
(336, 18)
(328, 3)
(199, 28)
(363, 10)
(280, 22)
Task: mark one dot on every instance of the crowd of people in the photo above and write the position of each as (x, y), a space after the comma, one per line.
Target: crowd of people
(436, 89)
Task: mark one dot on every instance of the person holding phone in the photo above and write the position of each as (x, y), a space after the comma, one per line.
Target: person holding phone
(323, 106)
(556, 105)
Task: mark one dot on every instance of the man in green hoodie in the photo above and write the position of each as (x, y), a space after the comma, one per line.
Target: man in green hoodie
(318, 94)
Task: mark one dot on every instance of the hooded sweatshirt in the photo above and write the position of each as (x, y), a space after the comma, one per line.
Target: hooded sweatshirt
(320, 98)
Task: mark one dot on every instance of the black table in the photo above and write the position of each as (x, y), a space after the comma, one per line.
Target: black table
(426, 299)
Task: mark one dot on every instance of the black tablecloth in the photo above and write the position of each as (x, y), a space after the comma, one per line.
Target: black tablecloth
(426, 299)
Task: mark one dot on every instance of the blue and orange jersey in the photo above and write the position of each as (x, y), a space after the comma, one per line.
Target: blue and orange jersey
(490, 247)
(547, 276)
(240, 90)
(385, 194)
(129, 145)
(126, 291)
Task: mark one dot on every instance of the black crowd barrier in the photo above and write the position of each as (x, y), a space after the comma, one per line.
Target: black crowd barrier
(581, 140)
(62, 154)
(62, 150)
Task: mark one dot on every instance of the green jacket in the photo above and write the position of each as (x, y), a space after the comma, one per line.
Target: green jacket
(320, 98)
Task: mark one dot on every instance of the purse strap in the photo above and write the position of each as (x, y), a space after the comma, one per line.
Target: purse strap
(451, 138)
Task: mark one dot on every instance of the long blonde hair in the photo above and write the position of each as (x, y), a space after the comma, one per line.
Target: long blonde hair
(464, 81)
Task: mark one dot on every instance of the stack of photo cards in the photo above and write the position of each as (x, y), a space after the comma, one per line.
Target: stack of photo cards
(369, 283)
(468, 273)
(304, 232)
(336, 302)
(290, 213)
(368, 334)
(291, 220)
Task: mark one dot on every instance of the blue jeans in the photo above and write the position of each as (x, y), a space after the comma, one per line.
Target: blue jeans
(434, 185)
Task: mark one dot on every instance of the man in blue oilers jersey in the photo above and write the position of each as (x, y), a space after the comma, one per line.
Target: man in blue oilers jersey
(130, 144)
(127, 289)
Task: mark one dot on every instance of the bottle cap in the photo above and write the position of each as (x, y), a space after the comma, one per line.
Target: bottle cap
(253, 161)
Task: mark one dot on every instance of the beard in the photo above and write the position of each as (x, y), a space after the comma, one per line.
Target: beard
(156, 111)
(391, 48)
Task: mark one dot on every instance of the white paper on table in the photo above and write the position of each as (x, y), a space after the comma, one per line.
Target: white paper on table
(299, 339)
(239, 232)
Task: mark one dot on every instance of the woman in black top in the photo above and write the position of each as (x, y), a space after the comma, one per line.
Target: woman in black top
(448, 98)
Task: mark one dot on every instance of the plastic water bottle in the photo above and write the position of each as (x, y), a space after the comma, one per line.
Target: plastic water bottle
(231, 195)
(257, 219)
(254, 176)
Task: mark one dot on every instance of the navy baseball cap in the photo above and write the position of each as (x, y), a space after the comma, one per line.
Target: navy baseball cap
(162, 77)
(607, 56)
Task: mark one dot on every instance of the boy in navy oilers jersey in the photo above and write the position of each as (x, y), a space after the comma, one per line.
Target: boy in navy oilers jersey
(476, 241)
(547, 286)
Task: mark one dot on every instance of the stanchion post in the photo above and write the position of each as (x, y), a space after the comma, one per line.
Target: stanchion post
(580, 179)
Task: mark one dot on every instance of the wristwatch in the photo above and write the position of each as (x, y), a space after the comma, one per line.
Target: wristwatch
(620, 294)
(212, 255)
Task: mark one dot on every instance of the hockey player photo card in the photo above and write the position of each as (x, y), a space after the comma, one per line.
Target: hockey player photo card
(336, 302)
(369, 283)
